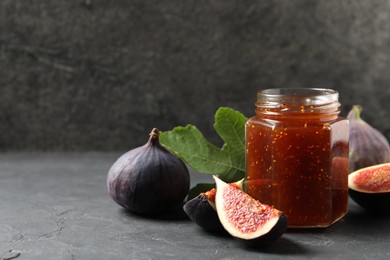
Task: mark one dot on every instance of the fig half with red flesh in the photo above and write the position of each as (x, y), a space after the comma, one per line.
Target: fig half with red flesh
(370, 187)
(202, 210)
(246, 218)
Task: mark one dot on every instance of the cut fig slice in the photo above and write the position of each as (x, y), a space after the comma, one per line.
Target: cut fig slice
(202, 211)
(370, 187)
(246, 218)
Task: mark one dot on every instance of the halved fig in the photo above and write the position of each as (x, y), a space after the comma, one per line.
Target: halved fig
(246, 218)
(202, 211)
(370, 187)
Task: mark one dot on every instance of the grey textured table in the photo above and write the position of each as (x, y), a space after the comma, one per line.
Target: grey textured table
(55, 206)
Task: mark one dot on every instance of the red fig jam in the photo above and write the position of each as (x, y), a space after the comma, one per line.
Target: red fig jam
(297, 155)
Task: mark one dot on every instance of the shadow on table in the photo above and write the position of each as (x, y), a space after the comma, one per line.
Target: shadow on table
(362, 221)
(282, 247)
(177, 214)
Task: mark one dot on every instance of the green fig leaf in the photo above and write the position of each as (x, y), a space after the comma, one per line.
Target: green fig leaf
(189, 144)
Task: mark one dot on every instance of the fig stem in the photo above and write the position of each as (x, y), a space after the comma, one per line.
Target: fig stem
(154, 132)
(355, 112)
(154, 136)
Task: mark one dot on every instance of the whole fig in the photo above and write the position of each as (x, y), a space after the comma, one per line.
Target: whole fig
(367, 146)
(148, 179)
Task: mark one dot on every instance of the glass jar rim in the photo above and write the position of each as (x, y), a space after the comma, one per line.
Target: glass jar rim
(298, 96)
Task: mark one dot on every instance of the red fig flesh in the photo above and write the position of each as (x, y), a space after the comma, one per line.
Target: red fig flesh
(370, 187)
(246, 218)
(202, 210)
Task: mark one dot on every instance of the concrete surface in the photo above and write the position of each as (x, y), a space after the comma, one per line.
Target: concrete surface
(99, 75)
(55, 206)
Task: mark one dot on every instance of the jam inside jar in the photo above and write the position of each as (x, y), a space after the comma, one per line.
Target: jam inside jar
(297, 155)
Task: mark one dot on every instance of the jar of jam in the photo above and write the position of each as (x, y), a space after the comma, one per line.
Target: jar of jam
(297, 155)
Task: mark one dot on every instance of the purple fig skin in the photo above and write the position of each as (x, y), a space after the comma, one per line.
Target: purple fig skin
(148, 179)
(376, 202)
(367, 146)
(202, 213)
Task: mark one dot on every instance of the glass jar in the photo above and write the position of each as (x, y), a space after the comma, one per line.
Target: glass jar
(297, 155)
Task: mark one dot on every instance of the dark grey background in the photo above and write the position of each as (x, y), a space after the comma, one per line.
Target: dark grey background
(98, 75)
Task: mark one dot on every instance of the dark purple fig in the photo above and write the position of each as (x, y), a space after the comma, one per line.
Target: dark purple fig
(202, 211)
(247, 219)
(148, 179)
(370, 187)
(367, 146)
